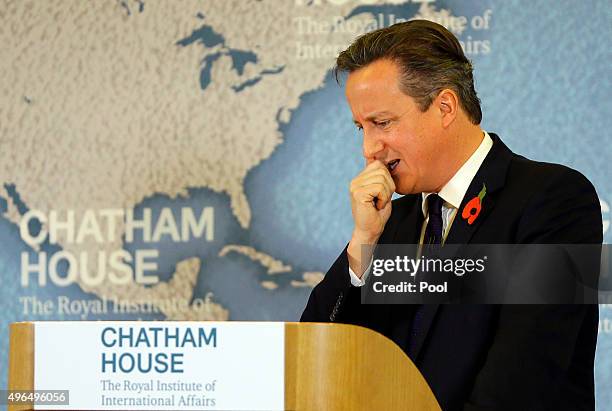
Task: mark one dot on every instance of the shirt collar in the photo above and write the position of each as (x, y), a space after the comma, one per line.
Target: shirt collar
(454, 190)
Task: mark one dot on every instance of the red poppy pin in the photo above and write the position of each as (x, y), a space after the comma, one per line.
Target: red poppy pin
(471, 211)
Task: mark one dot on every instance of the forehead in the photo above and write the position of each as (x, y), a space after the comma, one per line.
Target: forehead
(374, 87)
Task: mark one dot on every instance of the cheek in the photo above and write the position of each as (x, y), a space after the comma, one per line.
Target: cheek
(399, 141)
(415, 154)
(418, 145)
(409, 148)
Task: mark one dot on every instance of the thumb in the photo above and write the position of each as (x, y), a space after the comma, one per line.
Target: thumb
(386, 211)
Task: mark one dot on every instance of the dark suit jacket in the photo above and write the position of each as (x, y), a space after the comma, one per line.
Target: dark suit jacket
(492, 357)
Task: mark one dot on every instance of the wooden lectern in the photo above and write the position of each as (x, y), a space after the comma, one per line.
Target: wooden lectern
(327, 367)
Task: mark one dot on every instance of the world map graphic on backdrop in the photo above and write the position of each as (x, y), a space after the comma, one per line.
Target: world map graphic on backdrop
(190, 160)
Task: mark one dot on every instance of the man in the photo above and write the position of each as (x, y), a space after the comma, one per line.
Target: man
(411, 91)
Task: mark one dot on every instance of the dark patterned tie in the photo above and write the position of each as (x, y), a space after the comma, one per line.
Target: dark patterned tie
(433, 231)
(433, 235)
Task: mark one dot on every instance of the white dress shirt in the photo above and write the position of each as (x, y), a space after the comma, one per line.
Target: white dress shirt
(452, 193)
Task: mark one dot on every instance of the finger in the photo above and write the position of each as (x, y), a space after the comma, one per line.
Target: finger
(374, 165)
(369, 192)
(384, 192)
(379, 168)
(389, 179)
(372, 179)
(384, 173)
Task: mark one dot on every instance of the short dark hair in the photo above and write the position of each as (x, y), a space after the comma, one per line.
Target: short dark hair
(430, 58)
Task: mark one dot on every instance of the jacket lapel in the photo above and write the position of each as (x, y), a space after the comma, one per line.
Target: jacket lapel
(492, 173)
(461, 231)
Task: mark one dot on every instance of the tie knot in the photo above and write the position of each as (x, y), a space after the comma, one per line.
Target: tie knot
(434, 204)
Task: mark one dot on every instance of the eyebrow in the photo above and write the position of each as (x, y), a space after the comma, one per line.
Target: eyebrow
(374, 116)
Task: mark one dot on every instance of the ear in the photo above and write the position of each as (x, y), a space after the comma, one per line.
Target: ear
(448, 104)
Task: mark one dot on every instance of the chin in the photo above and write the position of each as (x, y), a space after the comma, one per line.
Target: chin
(404, 188)
(405, 182)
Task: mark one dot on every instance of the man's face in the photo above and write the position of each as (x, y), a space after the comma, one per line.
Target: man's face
(395, 131)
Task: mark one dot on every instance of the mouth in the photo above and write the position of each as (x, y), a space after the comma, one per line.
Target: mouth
(392, 165)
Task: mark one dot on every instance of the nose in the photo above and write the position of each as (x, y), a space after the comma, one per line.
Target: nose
(372, 146)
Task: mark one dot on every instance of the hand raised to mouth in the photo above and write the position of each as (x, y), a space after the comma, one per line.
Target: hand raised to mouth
(371, 193)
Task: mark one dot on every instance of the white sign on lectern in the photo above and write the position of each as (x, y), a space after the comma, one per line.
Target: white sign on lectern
(162, 365)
